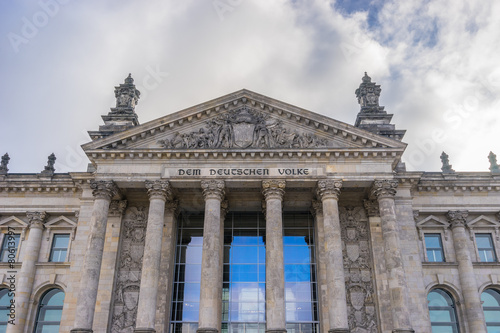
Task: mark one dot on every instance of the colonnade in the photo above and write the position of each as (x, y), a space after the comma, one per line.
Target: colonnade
(328, 192)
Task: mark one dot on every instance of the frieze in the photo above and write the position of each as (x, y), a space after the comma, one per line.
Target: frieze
(241, 172)
(362, 312)
(126, 293)
(243, 128)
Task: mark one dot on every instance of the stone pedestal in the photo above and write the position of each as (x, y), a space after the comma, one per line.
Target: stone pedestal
(273, 191)
(158, 192)
(28, 269)
(384, 191)
(211, 273)
(103, 191)
(328, 192)
(472, 299)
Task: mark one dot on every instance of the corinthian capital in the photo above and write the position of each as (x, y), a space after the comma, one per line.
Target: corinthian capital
(158, 189)
(103, 189)
(329, 188)
(384, 188)
(213, 189)
(36, 219)
(273, 189)
(457, 218)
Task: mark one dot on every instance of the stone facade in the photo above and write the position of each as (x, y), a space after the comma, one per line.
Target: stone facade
(245, 152)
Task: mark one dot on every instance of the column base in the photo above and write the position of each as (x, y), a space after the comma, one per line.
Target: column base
(81, 330)
(403, 330)
(207, 330)
(276, 330)
(339, 330)
(144, 330)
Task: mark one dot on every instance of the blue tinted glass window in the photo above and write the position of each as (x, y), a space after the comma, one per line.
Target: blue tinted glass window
(491, 308)
(442, 312)
(434, 247)
(9, 247)
(4, 309)
(50, 311)
(485, 248)
(59, 248)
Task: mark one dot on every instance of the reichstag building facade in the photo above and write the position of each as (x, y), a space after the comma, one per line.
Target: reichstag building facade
(245, 214)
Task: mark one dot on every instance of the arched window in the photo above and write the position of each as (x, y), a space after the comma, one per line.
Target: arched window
(491, 308)
(442, 312)
(4, 309)
(49, 313)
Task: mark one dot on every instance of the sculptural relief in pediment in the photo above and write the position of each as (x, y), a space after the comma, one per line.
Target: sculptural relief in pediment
(243, 128)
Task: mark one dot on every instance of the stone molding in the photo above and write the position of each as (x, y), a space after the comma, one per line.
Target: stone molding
(117, 207)
(103, 189)
(213, 189)
(329, 188)
(276, 330)
(457, 218)
(384, 188)
(371, 208)
(144, 330)
(207, 330)
(36, 219)
(273, 189)
(81, 330)
(158, 189)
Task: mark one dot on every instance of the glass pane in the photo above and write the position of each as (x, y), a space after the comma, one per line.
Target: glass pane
(191, 254)
(492, 316)
(247, 292)
(443, 316)
(483, 241)
(297, 273)
(493, 329)
(297, 254)
(299, 311)
(50, 315)
(244, 254)
(54, 298)
(432, 241)
(4, 299)
(244, 273)
(490, 297)
(49, 329)
(187, 311)
(61, 241)
(443, 329)
(437, 299)
(298, 292)
(189, 292)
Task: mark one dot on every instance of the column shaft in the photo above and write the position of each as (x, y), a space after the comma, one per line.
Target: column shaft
(211, 274)
(384, 191)
(158, 192)
(472, 299)
(89, 281)
(273, 191)
(28, 269)
(329, 191)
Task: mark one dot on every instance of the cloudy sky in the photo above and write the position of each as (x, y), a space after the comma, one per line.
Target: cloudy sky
(437, 62)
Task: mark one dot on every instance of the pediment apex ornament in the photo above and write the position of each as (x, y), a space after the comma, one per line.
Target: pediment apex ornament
(329, 188)
(371, 208)
(158, 189)
(241, 128)
(384, 188)
(36, 219)
(127, 96)
(213, 189)
(457, 218)
(103, 189)
(273, 189)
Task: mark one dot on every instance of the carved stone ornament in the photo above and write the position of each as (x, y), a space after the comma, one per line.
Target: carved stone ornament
(316, 208)
(446, 168)
(128, 281)
(117, 207)
(103, 189)
(224, 209)
(457, 218)
(371, 207)
(49, 168)
(368, 95)
(361, 308)
(127, 96)
(213, 189)
(36, 219)
(172, 206)
(4, 163)
(273, 189)
(158, 189)
(494, 167)
(243, 128)
(329, 188)
(384, 188)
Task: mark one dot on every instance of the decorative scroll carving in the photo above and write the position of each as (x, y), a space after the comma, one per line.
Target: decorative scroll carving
(371, 208)
(457, 218)
(213, 188)
(358, 270)
(103, 189)
(273, 189)
(126, 293)
(329, 187)
(36, 219)
(158, 189)
(117, 207)
(384, 188)
(243, 128)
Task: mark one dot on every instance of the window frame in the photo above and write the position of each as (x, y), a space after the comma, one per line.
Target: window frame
(454, 306)
(492, 308)
(51, 252)
(493, 246)
(426, 249)
(40, 305)
(2, 241)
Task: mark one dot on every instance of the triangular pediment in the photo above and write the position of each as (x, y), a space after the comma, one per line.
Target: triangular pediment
(61, 222)
(12, 222)
(243, 121)
(483, 222)
(432, 221)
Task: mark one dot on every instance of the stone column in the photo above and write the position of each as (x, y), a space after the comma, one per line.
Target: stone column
(328, 192)
(158, 192)
(273, 191)
(472, 299)
(26, 277)
(385, 191)
(211, 273)
(319, 231)
(103, 191)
